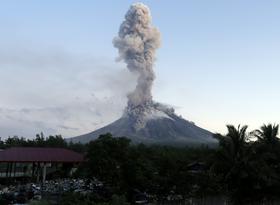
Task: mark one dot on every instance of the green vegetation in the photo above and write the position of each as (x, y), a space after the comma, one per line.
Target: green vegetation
(41, 141)
(245, 167)
(39, 203)
(248, 170)
(75, 199)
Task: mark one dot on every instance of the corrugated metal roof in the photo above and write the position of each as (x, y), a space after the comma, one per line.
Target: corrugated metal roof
(39, 154)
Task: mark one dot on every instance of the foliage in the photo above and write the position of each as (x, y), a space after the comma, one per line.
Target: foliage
(106, 156)
(42, 202)
(248, 170)
(156, 170)
(245, 166)
(76, 198)
(118, 200)
(267, 134)
(39, 141)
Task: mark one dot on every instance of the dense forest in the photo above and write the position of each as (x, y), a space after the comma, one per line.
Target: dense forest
(245, 166)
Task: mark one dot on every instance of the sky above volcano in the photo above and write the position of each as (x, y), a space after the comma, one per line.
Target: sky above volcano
(218, 64)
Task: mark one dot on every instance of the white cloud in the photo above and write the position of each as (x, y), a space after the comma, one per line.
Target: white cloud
(58, 92)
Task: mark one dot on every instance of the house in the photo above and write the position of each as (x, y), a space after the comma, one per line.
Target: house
(35, 161)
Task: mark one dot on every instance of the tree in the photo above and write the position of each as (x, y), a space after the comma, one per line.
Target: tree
(233, 144)
(106, 157)
(267, 134)
(40, 140)
(267, 149)
(233, 164)
(55, 141)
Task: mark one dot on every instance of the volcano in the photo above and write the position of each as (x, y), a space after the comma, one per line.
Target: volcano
(153, 123)
(145, 121)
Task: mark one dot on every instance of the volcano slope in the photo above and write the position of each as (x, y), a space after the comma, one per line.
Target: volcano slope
(153, 123)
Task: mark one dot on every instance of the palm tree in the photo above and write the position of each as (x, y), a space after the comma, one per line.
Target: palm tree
(247, 171)
(232, 160)
(231, 152)
(233, 142)
(267, 145)
(267, 134)
(268, 157)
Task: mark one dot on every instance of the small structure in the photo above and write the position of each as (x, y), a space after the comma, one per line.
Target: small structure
(34, 161)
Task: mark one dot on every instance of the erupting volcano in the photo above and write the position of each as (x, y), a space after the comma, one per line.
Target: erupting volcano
(146, 121)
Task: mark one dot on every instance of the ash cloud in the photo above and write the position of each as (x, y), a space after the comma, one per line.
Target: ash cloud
(52, 91)
(137, 42)
(71, 119)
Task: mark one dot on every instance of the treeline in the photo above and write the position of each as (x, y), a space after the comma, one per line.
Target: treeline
(159, 171)
(245, 166)
(41, 141)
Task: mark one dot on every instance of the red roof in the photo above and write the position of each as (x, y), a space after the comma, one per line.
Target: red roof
(39, 154)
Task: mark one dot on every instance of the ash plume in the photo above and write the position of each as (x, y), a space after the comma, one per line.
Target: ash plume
(143, 120)
(137, 42)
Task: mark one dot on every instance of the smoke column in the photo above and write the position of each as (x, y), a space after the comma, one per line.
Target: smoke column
(137, 42)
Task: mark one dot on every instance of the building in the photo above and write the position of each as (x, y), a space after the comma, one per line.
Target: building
(36, 161)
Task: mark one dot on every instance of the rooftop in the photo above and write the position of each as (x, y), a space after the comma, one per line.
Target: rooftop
(39, 154)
